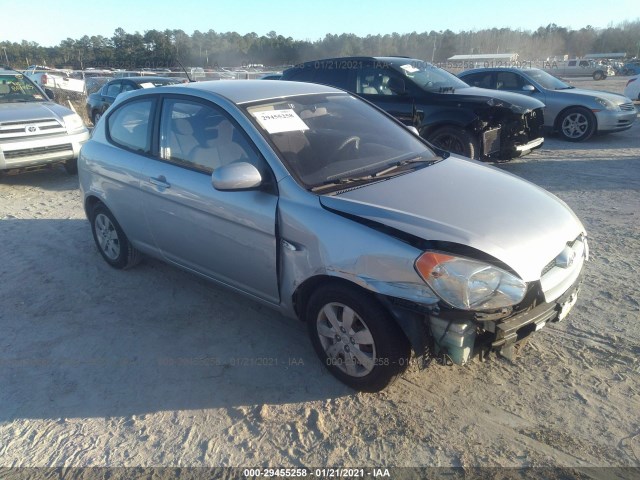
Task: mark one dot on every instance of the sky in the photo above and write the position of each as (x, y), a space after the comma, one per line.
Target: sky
(48, 22)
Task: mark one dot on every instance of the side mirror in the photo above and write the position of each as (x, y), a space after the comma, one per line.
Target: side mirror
(236, 176)
(50, 94)
(529, 88)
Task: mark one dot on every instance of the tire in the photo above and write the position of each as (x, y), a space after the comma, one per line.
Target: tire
(599, 75)
(355, 338)
(95, 117)
(71, 166)
(576, 124)
(112, 243)
(455, 140)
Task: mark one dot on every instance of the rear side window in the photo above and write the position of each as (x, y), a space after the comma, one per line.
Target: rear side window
(130, 125)
(508, 81)
(335, 77)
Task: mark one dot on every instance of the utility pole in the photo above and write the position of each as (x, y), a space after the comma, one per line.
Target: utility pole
(433, 53)
(5, 55)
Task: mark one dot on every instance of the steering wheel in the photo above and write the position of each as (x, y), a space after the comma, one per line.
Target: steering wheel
(350, 144)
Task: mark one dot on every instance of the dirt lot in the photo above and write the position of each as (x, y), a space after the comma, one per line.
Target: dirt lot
(154, 367)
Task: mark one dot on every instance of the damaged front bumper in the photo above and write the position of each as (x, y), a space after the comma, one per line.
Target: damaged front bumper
(460, 340)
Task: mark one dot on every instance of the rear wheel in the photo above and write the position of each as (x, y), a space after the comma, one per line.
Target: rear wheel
(355, 338)
(455, 140)
(112, 243)
(577, 124)
(598, 75)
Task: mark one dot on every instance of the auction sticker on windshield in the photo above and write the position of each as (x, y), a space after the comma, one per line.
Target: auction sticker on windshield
(409, 68)
(278, 121)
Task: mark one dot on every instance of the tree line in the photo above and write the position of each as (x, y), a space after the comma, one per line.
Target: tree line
(164, 49)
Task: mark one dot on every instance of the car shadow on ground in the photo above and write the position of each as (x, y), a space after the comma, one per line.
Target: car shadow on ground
(52, 178)
(81, 339)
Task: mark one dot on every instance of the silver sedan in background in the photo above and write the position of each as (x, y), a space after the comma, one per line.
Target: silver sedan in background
(576, 114)
(312, 201)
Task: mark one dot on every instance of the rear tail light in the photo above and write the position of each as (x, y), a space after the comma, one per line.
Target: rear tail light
(43, 79)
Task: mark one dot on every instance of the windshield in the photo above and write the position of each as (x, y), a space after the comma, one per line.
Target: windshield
(325, 139)
(430, 77)
(546, 80)
(16, 88)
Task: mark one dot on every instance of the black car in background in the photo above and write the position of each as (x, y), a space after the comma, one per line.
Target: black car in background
(98, 102)
(451, 115)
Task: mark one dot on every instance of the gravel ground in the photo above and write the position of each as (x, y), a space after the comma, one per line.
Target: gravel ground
(155, 367)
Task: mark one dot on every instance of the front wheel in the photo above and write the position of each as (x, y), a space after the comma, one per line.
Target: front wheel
(577, 124)
(112, 243)
(355, 338)
(598, 75)
(455, 140)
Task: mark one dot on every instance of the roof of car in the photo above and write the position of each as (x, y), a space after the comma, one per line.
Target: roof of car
(147, 78)
(496, 69)
(245, 91)
(393, 60)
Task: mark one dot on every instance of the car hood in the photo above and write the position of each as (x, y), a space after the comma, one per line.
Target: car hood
(516, 102)
(465, 202)
(24, 112)
(612, 97)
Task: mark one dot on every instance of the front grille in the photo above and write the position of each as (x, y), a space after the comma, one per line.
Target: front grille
(28, 129)
(627, 107)
(32, 152)
(548, 267)
(559, 273)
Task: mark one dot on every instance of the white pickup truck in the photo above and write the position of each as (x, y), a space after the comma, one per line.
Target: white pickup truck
(54, 79)
(578, 68)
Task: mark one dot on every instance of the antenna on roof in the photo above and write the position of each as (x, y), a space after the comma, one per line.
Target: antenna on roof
(185, 71)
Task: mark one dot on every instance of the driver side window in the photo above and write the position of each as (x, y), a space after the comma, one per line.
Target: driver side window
(201, 137)
(508, 81)
(373, 81)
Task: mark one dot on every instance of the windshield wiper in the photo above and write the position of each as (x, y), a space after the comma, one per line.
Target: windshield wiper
(341, 182)
(373, 176)
(404, 163)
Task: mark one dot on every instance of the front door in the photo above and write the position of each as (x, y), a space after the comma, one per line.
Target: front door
(228, 236)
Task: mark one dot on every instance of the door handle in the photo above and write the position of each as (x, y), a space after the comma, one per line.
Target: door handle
(161, 182)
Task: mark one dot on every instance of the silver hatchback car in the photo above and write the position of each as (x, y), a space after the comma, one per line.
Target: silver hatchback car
(575, 113)
(316, 203)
